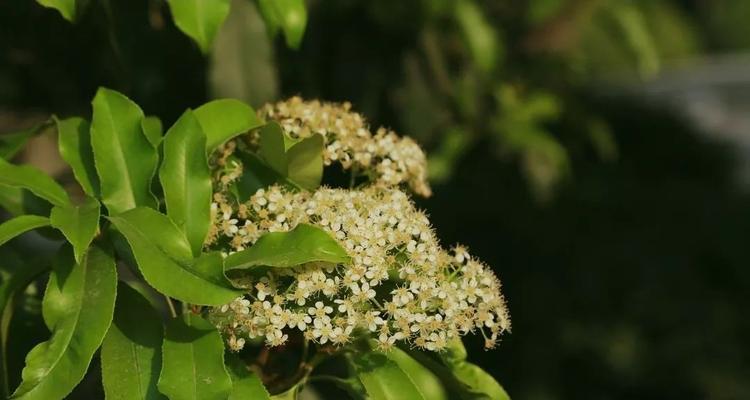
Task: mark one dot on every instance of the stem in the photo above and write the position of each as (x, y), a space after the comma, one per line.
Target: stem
(171, 307)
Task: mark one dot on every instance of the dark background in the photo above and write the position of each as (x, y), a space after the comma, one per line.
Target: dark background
(598, 161)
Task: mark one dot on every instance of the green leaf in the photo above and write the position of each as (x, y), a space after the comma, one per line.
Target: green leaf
(303, 244)
(186, 179)
(299, 163)
(426, 381)
(224, 119)
(125, 160)
(21, 224)
(12, 143)
(79, 224)
(479, 381)
(18, 201)
(305, 162)
(193, 367)
(245, 383)
(67, 8)
(164, 257)
(287, 15)
(480, 36)
(256, 174)
(77, 308)
(199, 19)
(455, 352)
(462, 379)
(30, 178)
(15, 276)
(74, 143)
(272, 148)
(131, 351)
(290, 394)
(382, 378)
(153, 129)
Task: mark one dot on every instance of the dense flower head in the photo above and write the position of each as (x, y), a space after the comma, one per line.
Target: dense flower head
(392, 160)
(400, 286)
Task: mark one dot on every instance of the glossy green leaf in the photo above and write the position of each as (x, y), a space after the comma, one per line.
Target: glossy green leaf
(125, 160)
(67, 8)
(224, 119)
(21, 224)
(186, 179)
(193, 361)
(305, 243)
(79, 224)
(288, 15)
(382, 378)
(305, 162)
(245, 383)
(131, 351)
(77, 308)
(164, 257)
(74, 143)
(199, 19)
(426, 381)
(272, 148)
(153, 130)
(34, 180)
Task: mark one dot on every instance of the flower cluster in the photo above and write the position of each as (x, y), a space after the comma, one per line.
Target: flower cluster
(400, 285)
(393, 160)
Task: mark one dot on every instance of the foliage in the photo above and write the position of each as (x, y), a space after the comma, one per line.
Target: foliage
(114, 227)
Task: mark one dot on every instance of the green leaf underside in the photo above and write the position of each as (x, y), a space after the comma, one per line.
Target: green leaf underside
(426, 382)
(245, 383)
(461, 378)
(255, 175)
(305, 243)
(79, 224)
(19, 201)
(224, 119)
(475, 378)
(34, 180)
(297, 163)
(199, 19)
(479, 381)
(153, 129)
(383, 379)
(272, 148)
(67, 8)
(19, 225)
(193, 361)
(186, 179)
(164, 257)
(131, 351)
(77, 308)
(74, 143)
(305, 162)
(125, 160)
(287, 15)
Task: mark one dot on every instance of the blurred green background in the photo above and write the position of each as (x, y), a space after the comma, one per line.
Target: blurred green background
(596, 153)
